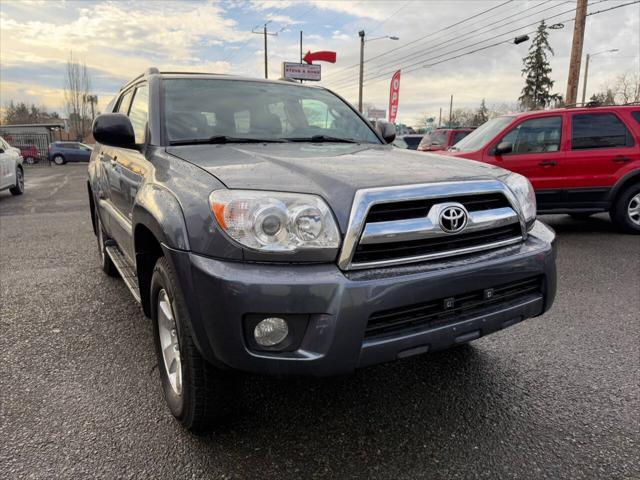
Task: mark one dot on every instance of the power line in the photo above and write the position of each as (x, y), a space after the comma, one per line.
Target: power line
(568, 20)
(422, 60)
(426, 36)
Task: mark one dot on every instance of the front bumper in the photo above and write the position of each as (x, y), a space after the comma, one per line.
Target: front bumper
(219, 294)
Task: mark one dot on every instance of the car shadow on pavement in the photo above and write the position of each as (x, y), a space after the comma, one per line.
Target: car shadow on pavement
(402, 410)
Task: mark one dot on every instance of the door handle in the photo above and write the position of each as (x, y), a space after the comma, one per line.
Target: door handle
(621, 159)
(548, 163)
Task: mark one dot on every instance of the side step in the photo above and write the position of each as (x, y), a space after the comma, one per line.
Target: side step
(127, 270)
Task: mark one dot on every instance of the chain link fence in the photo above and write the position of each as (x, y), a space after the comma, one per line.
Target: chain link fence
(34, 147)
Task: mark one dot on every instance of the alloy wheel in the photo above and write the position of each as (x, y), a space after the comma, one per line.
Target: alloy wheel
(633, 209)
(168, 335)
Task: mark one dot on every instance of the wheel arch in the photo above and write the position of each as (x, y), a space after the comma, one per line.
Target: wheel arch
(622, 184)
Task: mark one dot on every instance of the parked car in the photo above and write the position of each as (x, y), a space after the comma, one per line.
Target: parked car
(11, 171)
(442, 138)
(410, 141)
(580, 160)
(29, 153)
(63, 152)
(296, 241)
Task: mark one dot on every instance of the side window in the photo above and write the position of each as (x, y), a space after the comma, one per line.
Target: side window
(598, 130)
(636, 115)
(139, 113)
(538, 135)
(123, 106)
(457, 136)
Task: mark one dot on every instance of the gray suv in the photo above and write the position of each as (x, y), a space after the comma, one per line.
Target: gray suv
(267, 227)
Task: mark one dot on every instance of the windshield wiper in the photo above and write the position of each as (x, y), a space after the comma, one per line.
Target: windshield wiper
(321, 138)
(218, 139)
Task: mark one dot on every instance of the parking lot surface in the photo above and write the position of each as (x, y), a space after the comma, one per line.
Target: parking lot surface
(554, 397)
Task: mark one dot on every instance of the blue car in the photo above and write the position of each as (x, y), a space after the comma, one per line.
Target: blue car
(63, 152)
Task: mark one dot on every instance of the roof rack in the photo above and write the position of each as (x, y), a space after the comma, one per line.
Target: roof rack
(593, 104)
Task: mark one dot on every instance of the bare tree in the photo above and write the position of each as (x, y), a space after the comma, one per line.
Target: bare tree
(627, 88)
(76, 96)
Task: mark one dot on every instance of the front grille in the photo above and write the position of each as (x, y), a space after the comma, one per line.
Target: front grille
(385, 212)
(434, 313)
(376, 252)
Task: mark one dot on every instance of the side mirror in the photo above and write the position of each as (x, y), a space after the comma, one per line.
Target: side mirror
(114, 130)
(503, 148)
(387, 131)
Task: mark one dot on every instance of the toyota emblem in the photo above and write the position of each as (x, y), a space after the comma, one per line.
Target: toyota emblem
(453, 219)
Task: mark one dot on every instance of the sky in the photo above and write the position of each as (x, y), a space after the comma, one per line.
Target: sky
(120, 39)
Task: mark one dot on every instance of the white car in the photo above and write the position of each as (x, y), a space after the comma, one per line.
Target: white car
(11, 171)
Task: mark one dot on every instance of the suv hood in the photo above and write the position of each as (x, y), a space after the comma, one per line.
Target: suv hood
(332, 170)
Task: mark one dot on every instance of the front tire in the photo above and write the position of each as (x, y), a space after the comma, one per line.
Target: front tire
(198, 394)
(626, 210)
(18, 189)
(59, 160)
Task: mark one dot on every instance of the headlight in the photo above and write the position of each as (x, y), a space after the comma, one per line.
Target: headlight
(275, 221)
(524, 193)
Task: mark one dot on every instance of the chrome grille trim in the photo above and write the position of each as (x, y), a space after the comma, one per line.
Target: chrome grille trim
(366, 198)
(427, 227)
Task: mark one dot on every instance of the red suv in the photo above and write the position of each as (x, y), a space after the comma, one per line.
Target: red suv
(579, 160)
(442, 138)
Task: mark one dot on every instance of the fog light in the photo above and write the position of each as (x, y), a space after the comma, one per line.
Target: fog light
(271, 331)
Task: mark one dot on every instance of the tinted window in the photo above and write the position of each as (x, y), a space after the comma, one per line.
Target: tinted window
(598, 130)
(412, 142)
(538, 135)
(139, 113)
(257, 110)
(437, 137)
(123, 106)
(457, 136)
(636, 115)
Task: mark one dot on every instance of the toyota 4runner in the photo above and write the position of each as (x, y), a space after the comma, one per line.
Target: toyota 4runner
(266, 227)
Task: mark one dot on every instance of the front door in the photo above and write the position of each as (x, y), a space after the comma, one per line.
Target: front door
(128, 168)
(537, 154)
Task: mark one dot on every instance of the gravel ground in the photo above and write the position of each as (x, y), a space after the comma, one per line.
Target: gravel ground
(554, 397)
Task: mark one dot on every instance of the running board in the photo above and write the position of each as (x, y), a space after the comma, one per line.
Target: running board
(127, 270)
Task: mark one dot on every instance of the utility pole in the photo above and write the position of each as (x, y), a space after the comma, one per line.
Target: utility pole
(265, 33)
(451, 111)
(361, 33)
(584, 82)
(576, 53)
(301, 52)
(440, 118)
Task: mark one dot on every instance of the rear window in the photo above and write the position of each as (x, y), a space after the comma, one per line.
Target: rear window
(437, 137)
(598, 130)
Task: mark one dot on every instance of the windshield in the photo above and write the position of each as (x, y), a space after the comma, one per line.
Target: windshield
(222, 111)
(483, 134)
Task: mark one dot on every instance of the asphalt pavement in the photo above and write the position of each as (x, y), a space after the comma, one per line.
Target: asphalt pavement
(553, 397)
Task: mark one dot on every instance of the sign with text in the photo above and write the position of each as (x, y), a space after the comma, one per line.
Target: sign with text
(394, 96)
(376, 114)
(301, 71)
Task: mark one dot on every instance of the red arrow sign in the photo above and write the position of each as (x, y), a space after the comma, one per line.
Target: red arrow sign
(320, 56)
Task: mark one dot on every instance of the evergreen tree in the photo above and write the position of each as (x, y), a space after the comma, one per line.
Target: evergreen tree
(536, 93)
(482, 115)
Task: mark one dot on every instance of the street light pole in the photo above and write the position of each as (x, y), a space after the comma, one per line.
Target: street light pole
(361, 33)
(586, 71)
(362, 40)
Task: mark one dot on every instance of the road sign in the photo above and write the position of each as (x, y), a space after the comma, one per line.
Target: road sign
(320, 56)
(300, 71)
(376, 113)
